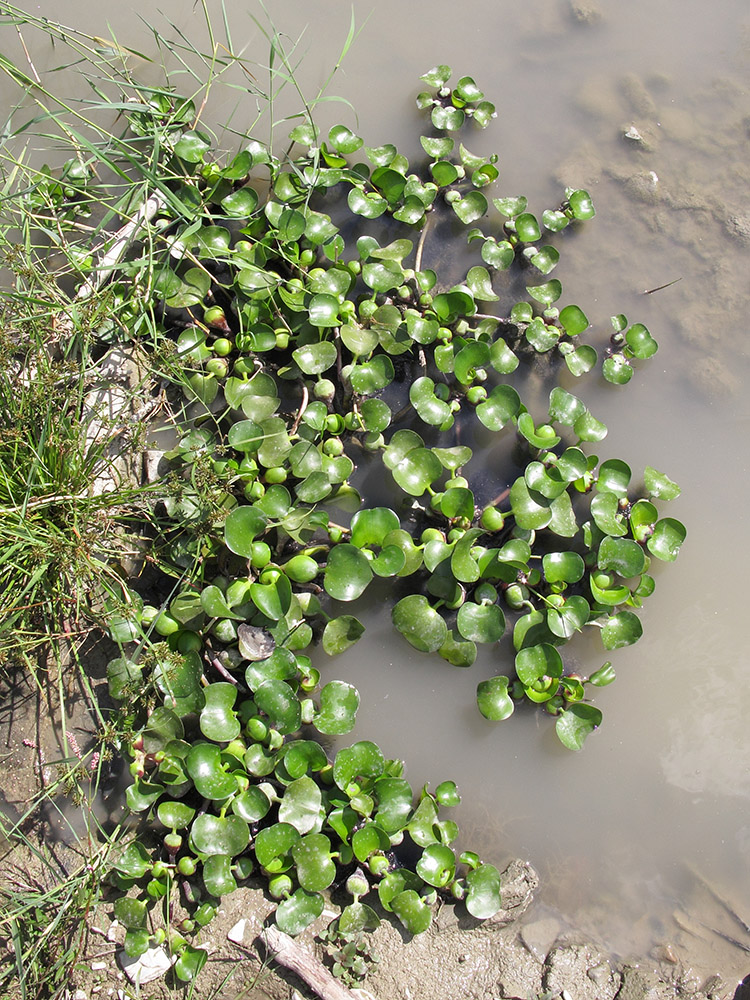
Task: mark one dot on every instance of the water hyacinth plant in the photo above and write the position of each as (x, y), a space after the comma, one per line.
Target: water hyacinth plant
(288, 298)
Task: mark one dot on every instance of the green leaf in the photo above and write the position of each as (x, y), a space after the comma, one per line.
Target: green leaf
(343, 140)
(277, 700)
(502, 404)
(444, 172)
(219, 835)
(241, 528)
(419, 623)
(190, 963)
(622, 629)
(605, 509)
(341, 633)
(614, 477)
(449, 119)
(480, 283)
(659, 485)
(563, 567)
(437, 866)
(373, 375)
(570, 618)
(339, 702)
(493, 699)
(481, 622)
(510, 207)
(297, 912)
(667, 539)
(581, 205)
(470, 208)
(369, 205)
(437, 148)
(547, 293)
(617, 369)
(530, 511)
(347, 573)
(622, 556)
(475, 355)
(545, 260)
(438, 76)
(240, 204)
(581, 360)
(576, 723)
(564, 407)
(300, 806)
(192, 146)
(588, 428)
(412, 911)
(430, 408)
(640, 342)
(361, 760)
(498, 255)
(537, 662)
(218, 721)
(573, 320)
(527, 227)
(483, 897)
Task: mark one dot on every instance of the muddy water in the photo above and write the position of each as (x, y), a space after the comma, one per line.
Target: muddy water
(662, 791)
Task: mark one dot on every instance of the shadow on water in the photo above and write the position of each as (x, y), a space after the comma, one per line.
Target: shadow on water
(646, 106)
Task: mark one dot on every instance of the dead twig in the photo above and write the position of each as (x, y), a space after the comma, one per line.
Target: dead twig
(303, 963)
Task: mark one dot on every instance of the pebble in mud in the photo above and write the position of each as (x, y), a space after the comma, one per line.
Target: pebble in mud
(539, 936)
(643, 187)
(637, 97)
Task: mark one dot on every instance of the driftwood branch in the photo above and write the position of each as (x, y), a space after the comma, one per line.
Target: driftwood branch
(303, 963)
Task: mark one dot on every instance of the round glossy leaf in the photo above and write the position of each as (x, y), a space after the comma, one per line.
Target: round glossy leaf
(297, 912)
(581, 205)
(394, 796)
(581, 360)
(361, 760)
(617, 369)
(339, 702)
(437, 866)
(470, 208)
(667, 538)
(458, 502)
(546, 293)
(564, 407)
(217, 875)
(475, 355)
(240, 204)
(301, 804)
(312, 856)
(537, 662)
(303, 756)
(358, 917)
(640, 341)
(277, 700)
(163, 725)
(554, 220)
(241, 528)
(622, 629)
(175, 815)
(219, 835)
(622, 556)
(565, 621)
(373, 375)
(437, 148)
(510, 207)
(341, 633)
(493, 699)
(498, 255)
(614, 476)
(370, 205)
(205, 766)
(316, 358)
(218, 721)
(444, 172)
(606, 591)
(481, 622)
(527, 227)
(576, 723)
(190, 963)
(449, 119)
(603, 676)
(252, 804)
(343, 140)
(347, 573)
(457, 652)
(272, 599)
(531, 513)
(134, 861)
(563, 567)
(130, 912)
(483, 896)
(430, 408)
(607, 515)
(545, 260)
(417, 470)
(659, 485)
(192, 146)
(394, 883)
(142, 794)
(419, 623)
(273, 846)
(502, 404)
(412, 911)
(368, 840)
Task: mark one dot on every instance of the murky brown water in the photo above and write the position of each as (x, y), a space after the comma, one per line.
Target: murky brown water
(663, 789)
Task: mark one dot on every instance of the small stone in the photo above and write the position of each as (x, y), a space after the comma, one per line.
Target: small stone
(98, 966)
(113, 929)
(641, 102)
(80, 995)
(152, 964)
(237, 933)
(738, 227)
